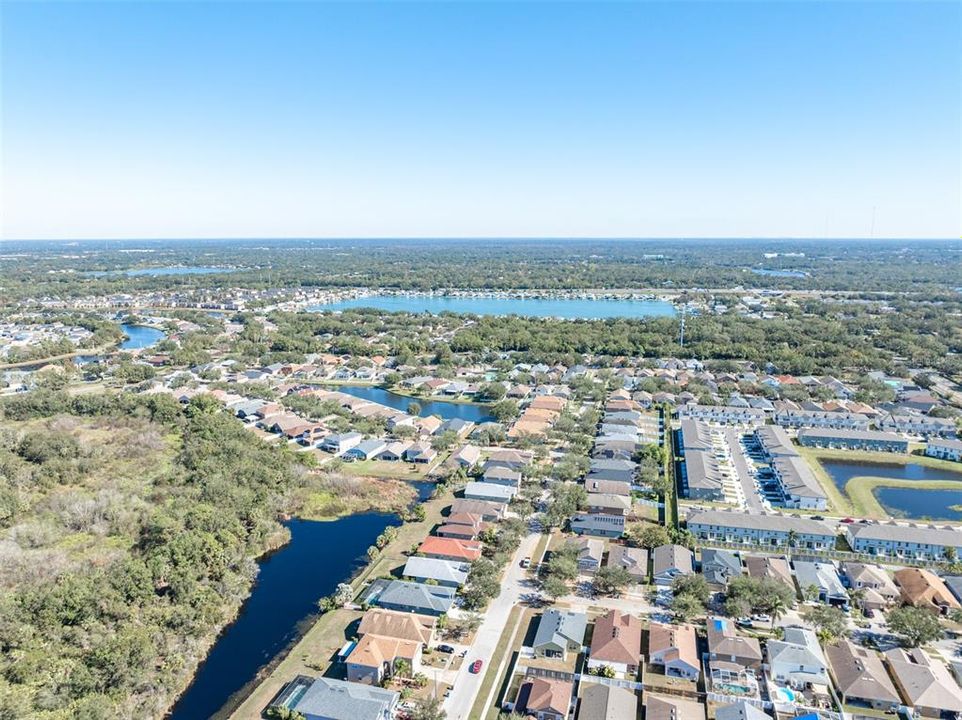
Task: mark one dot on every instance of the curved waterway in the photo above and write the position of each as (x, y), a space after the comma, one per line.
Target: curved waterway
(290, 582)
(445, 410)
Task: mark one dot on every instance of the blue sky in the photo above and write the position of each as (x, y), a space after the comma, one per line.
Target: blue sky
(680, 119)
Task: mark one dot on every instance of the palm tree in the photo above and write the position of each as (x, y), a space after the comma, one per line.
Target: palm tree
(402, 668)
(776, 608)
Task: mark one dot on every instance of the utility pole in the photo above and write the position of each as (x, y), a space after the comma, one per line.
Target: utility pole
(681, 334)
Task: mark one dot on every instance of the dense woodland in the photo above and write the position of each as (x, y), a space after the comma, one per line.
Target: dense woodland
(931, 268)
(132, 527)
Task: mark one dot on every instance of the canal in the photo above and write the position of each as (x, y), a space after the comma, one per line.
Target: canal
(445, 410)
(290, 582)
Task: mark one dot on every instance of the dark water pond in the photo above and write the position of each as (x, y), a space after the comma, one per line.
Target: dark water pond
(140, 336)
(446, 410)
(290, 582)
(841, 471)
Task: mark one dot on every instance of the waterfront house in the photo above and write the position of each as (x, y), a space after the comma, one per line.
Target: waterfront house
(922, 588)
(727, 646)
(443, 572)
(871, 440)
(394, 451)
(674, 649)
(375, 658)
(401, 625)
(946, 449)
(797, 659)
(421, 453)
(860, 677)
(409, 597)
(916, 542)
(467, 457)
(607, 702)
(616, 643)
(544, 699)
(464, 551)
(670, 561)
(634, 560)
(598, 525)
(501, 475)
(325, 698)
(559, 632)
(489, 491)
(924, 683)
(488, 511)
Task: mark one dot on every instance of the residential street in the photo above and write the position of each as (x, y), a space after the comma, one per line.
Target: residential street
(752, 501)
(458, 705)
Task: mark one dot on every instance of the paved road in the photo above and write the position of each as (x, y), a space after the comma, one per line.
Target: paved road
(516, 583)
(752, 501)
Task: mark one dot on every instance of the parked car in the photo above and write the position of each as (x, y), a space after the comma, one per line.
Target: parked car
(476, 666)
(526, 562)
(445, 649)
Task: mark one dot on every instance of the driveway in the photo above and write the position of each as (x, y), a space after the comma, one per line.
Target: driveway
(516, 582)
(752, 501)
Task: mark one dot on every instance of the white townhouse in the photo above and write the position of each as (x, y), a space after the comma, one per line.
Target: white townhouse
(944, 449)
(915, 542)
(821, 419)
(722, 414)
(767, 530)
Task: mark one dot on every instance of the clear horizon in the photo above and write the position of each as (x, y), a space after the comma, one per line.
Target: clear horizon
(778, 121)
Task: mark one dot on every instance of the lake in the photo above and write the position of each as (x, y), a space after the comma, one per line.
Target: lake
(163, 271)
(780, 273)
(140, 336)
(568, 308)
(291, 581)
(446, 410)
(899, 501)
(928, 504)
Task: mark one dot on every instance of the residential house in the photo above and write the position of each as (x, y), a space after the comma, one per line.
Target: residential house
(590, 552)
(726, 645)
(610, 487)
(821, 578)
(741, 710)
(443, 572)
(375, 658)
(502, 476)
(670, 561)
(366, 450)
(409, 597)
(924, 683)
(662, 707)
(860, 677)
(634, 560)
(872, 582)
(329, 699)
(922, 588)
(914, 424)
(489, 491)
(339, 443)
(607, 702)
(797, 659)
(394, 451)
(487, 511)
(616, 643)
(674, 649)
(462, 551)
(771, 567)
(559, 632)
(720, 566)
(913, 541)
(402, 625)
(598, 525)
(468, 456)
(420, 453)
(544, 699)
(609, 504)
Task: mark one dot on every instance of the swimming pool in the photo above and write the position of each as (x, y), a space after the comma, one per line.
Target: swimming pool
(783, 695)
